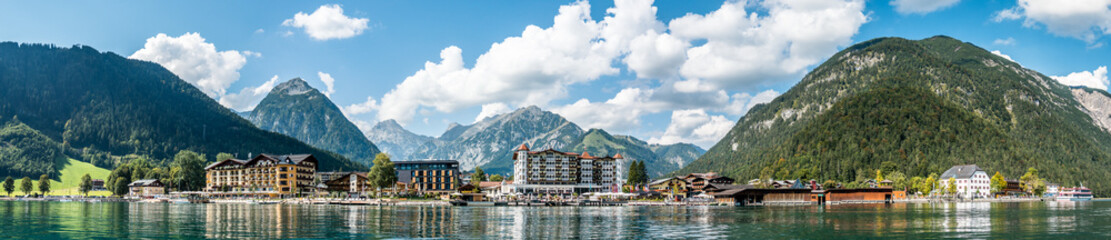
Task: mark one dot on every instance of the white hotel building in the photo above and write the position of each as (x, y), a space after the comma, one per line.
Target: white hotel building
(555, 172)
(971, 181)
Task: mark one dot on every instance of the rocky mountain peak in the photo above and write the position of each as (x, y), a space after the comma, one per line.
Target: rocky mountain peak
(295, 86)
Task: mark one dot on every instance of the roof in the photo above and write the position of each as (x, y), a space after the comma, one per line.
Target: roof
(145, 183)
(618, 156)
(489, 184)
(281, 159)
(960, 172)
(663, 180)
(426, 162)
(523, 147)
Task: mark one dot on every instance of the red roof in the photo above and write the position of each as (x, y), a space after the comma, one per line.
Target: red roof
(523, 147)
(618, 156)
(586, 155)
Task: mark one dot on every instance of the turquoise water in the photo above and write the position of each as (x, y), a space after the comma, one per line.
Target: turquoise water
(67, 220)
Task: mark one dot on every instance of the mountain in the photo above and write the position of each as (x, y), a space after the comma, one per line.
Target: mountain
(1097, 104)
(396, 141)
(98, 104)
(490, 143)
(919, 107)
(297, 110)
(659, 159)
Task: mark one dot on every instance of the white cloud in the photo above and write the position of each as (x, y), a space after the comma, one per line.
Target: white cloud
(1094, 79)
(248, 97)
(620, 113)
(694, 126)
(260, 31)
(1081, 19)
(1005, 42)
(739, 51)
(533, 68)
(742, 102)
(655, 55)
(1000, 54)
(745, 49)
(194, 60)
(329, 82)
(921, 6)
(492, 109)
(328, 22)
(252, 54)
(361, 108)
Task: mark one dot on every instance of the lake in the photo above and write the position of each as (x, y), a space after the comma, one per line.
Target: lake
(65, 220)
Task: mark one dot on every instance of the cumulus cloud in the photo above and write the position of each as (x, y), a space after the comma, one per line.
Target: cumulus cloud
(620, 113)
(328, 22)
(361, 108)
(1081, 19)
(921, 6)
(736, 50)
(194, 60)
(248, 97)
(329, 82)
(1094, 79)
(1000, 54)
(1005, 42)
(492, 109)
(694, 126)
(533, 68)
(742, 102)
(744, 49)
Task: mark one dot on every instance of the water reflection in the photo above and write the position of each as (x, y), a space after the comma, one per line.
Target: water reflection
(54, 220)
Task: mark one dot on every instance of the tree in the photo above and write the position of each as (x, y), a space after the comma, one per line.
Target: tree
(382, 175)
(190, 171)
(898, 180)
(916, 184)
(478, 175)
(642, 173)
(952, 188)
(879, 176)
(1029, 181)
(998, 182)
(121, 186)
(631, 177)
(86, 184)
(496, 178)
(9, 185)
(223, 156)
(44, 184)
(25, 185)
(829, 184)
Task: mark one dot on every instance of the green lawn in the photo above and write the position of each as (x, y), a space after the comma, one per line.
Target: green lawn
(70, 176)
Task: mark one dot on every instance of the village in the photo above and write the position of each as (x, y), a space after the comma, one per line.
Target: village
(554, 178)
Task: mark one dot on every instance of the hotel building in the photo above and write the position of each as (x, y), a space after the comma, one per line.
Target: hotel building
(555, 172)
(429, 175)
(265, 174)
(972, 182)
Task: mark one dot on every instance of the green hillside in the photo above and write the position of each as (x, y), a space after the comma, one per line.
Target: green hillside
(916, 107)
(100, 105)
(659, 159)
(68, 179)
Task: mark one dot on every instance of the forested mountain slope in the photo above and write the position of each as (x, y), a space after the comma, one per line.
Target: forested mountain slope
(916, 107)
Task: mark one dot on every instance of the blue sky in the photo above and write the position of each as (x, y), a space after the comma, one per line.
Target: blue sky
(684, 73)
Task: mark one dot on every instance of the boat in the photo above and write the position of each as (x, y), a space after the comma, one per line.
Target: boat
(1075, 194)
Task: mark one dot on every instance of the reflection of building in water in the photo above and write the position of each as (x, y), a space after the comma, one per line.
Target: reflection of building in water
(966, 217)
(251, 221)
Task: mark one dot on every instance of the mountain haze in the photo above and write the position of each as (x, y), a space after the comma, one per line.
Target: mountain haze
(919, 107)
(396, 141)
(490, 143)
(297, 110)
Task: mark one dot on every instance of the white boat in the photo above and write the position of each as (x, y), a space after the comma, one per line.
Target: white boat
(1075, 194)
